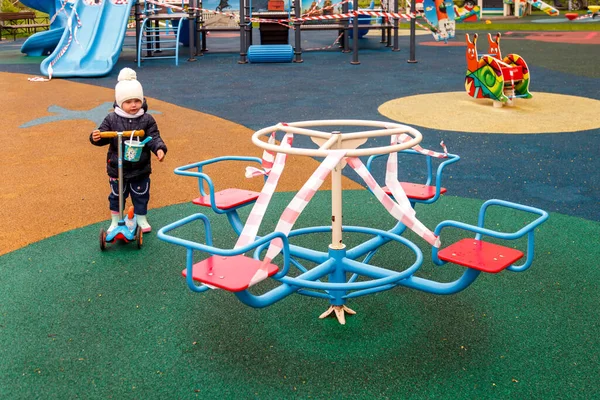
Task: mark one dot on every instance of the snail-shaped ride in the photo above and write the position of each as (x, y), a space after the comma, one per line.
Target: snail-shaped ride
(501, 79)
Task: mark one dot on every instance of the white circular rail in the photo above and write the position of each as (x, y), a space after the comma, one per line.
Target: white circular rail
(335, 141)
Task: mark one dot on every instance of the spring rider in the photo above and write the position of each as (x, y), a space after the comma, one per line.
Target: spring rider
(501, 79)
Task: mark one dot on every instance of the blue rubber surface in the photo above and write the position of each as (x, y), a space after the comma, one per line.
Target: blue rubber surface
(555, 171)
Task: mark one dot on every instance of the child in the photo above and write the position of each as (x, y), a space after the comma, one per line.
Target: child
(130, 114)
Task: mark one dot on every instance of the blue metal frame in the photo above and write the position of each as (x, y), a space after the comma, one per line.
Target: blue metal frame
(149, 10)
(232, 215)
(480, 230)
(336, 275)
(451, 159)
(335, 264)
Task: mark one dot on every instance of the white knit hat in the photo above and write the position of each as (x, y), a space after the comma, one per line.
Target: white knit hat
(128, 87)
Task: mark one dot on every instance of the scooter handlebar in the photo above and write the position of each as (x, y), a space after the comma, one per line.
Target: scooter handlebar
(112, 134)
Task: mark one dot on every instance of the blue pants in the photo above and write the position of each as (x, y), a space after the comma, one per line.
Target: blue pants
(139, 191)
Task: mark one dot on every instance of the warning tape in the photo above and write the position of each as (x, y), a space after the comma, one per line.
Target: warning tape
(288, 21)
(63, 50)
(399, 211)
(257, 213)
(273, 164)
(336, 41)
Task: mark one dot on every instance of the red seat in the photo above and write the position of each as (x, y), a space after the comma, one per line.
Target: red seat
(230, 273)
(228, 198)
(480, 255)
(517, 73)
(416, 191)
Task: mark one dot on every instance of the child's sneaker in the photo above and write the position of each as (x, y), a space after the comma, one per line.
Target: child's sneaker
(114, 221)
(143, 223)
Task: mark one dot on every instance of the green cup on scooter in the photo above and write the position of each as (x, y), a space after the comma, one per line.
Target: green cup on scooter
(133, 148)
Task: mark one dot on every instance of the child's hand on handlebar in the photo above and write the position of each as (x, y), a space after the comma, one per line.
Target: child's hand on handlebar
(160, 154)
(96, 135)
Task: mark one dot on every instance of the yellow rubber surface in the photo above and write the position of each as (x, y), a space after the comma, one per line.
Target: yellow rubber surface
(54, 180)
(456, 111)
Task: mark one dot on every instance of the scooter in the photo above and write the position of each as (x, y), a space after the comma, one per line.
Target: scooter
(127, 229)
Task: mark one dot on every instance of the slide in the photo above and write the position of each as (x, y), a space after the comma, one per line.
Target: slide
(92, 40)
(43, 43)
(548, 9)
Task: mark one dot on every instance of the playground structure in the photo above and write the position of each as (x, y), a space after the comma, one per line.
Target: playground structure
(593, 12)
(341, 273)
(517, 8)
(441, 13)
(501, 79)
(43, 43)
(275, 25)
(158, 33)
(86, 36)
(348, 23)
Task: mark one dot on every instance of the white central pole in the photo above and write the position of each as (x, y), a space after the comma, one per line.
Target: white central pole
(336, 201)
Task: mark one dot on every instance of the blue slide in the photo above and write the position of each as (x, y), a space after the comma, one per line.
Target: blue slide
(43, 43)
(91, 42)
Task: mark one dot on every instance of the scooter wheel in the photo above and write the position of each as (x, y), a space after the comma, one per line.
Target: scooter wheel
(102, 239)
(140, 237)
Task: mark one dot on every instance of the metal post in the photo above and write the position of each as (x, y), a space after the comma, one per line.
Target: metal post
(396, 21)
(243, 42)
(192, 30)
(120, 166)
(345, 39)
(197, 24)
(149, 35)
(413, 11)
(355, 39)
(297, 32)
(338, 275)
(138, 18)
(248, 24)
(157, 36)
(201, 26)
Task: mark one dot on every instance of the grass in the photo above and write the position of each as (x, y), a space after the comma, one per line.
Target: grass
(499, 26)
(523, 24)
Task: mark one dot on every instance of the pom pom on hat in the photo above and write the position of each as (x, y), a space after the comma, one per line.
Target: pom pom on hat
(127, 74)
(128, 87)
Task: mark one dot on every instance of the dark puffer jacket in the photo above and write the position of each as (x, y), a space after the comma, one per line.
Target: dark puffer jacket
(131, 170)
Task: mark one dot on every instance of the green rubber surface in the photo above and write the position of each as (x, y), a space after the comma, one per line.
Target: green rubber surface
(81, 323)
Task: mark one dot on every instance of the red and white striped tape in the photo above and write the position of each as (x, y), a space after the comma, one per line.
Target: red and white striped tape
(391, 175)
(259, 209)
(308, 17)
(268, 158)
(401, 212)
(336, 41)
(400, 208)
(391, 178)
(313, 9)
(295, 207)
(63, 4)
